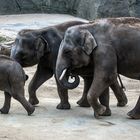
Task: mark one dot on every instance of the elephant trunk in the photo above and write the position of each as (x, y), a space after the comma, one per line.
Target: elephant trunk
(63, 71)
(63, 74)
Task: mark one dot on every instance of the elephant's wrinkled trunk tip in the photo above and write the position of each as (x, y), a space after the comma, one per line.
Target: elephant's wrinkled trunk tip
(63, 75)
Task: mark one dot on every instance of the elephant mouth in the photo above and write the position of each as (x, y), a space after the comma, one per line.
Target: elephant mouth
(24, 64)
(66, 72)
(27, 62)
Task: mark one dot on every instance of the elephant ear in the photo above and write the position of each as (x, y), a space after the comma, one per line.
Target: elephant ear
(89, 42)
(40, 46)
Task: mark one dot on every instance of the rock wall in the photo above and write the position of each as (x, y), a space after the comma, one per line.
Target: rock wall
(89, 9)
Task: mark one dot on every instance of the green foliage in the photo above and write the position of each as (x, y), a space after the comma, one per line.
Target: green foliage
(2, 39)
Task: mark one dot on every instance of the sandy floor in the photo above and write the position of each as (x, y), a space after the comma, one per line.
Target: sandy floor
(49, 123)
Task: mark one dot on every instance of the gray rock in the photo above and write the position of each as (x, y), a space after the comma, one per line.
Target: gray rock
(113, 8)
(89, 9)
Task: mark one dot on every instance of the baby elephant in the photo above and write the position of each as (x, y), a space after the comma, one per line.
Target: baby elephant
(12, 81)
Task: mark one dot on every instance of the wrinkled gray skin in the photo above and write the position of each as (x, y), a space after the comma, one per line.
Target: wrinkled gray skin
(12, 81)
(112, 46)
(41, 47)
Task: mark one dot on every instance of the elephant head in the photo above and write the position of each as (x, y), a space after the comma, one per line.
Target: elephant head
(28, 48)
(75, 52)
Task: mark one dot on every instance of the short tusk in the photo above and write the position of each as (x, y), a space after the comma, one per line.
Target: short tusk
(62, 75)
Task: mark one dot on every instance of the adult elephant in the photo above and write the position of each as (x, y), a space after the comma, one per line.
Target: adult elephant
(111, 45)
(41, 47)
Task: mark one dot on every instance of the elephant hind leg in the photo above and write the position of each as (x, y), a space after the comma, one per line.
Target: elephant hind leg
(7, 102)
(119, 93)
(19, 96)
(83, 102)
(135, 112)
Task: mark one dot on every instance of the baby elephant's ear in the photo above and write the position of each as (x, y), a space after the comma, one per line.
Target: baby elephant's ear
(89, 42)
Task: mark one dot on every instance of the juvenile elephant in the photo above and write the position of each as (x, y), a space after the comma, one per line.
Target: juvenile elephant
(41, 47)
(111, 45)
(12, 80)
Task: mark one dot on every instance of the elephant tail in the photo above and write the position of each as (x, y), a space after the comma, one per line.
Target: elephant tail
(122, 85)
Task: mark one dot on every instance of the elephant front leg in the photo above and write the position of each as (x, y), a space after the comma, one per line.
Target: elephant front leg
(7, 102)
(63, 94)
(100, 83)
(135, 112)
(104, 98)
(83, 102)
(40, 76)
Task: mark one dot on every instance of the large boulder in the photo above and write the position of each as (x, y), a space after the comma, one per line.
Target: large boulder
(89, 9)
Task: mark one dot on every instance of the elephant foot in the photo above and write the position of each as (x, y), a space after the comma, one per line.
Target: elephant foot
(83, 103)
(4, 111)
(134, 114)
(107, 112)
(31, 110)
(122, 103)
(63, 106)
(99, 111)
(34, 101)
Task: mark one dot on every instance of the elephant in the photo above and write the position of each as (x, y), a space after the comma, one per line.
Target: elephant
(111, 45)
(41, 47)
(12, 81)
(5, 50)
(135, 112)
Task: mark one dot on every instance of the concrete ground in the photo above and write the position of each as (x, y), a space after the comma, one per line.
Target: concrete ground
(49, 123)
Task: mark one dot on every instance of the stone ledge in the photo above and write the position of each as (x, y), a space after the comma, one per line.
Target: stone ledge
(88, 9)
